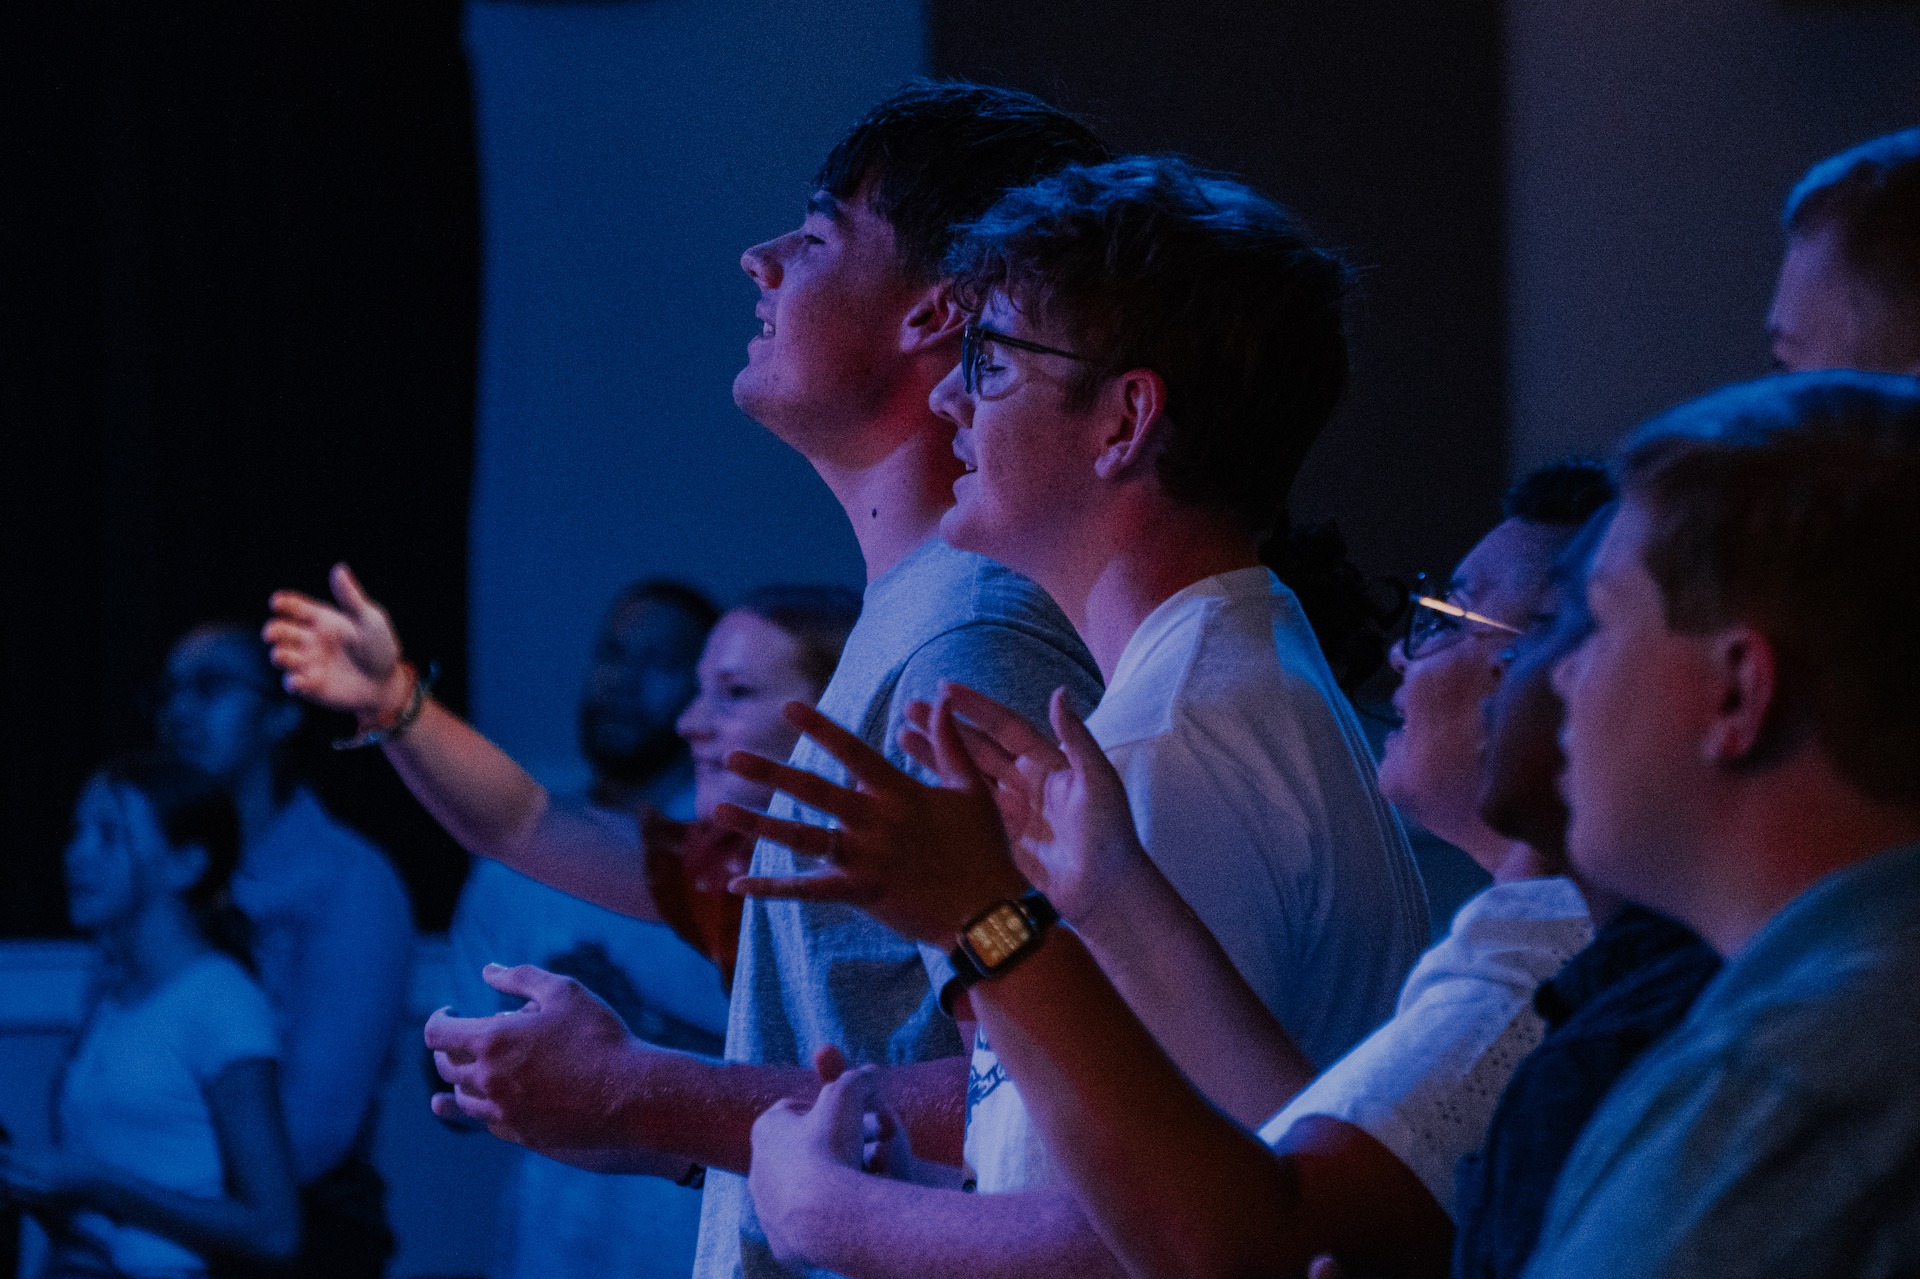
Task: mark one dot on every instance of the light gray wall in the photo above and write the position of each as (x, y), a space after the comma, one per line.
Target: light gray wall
(1650, 144)
(629, 152)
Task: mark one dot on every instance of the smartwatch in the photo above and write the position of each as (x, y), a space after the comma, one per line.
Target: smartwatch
(996, 939)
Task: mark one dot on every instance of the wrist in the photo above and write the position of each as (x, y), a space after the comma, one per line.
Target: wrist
(1113, 909)
(391, 702)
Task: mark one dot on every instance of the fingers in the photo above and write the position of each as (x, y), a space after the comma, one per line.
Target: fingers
(955, 765)
(810, 789)
(447, 1033)
(1082, 752)
(459, 1105)
(351, 595)
(868, 766)
(528, 981)
(918, 746)
(802, 837)
(836, 887)
(829, 1063)
(295, 608)
(1007, 727)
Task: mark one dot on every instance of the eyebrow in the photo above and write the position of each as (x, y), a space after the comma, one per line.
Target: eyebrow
(826, 206)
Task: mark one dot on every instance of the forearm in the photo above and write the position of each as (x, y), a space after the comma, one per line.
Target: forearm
(1173, 1186)
(1183, 987)
(681, 1104)
(868, 1227)
(219, 1227)
(495, 809)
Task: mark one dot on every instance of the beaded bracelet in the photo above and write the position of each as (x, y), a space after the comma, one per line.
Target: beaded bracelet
(416, 703)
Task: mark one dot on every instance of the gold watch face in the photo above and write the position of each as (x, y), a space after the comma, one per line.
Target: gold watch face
(998, 935)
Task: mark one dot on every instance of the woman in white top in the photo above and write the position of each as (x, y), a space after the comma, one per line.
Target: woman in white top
(171, 1151)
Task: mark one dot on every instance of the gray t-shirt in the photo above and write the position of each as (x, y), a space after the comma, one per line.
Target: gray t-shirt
(813, 974)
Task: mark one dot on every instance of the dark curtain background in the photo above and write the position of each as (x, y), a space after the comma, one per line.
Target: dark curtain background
(1382, 125)
(240, 256)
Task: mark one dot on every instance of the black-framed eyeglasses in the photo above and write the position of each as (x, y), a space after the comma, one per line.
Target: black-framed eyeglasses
(973, 349)
(1435, 622)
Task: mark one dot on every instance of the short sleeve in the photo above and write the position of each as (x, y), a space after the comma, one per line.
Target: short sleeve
(223, 1018)
(1011, 664)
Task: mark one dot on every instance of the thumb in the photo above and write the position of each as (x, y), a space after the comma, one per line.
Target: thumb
(349, 594)
(829, 1063)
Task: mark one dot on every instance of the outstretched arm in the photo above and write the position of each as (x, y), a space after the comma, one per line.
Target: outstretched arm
(564, 1077)
(346, 656)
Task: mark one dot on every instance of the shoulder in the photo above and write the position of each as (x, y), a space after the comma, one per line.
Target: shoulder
(222, 1012)
(1510, 938)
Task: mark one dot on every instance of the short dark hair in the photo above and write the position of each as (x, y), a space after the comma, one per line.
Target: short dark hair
(1870, 196)
(193, 809)
(819, 618)
(1154, 263)
(1789, 504)
(1564, 493)
(938, 153)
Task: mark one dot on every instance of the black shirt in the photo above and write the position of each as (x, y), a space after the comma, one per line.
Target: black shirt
(1632, 984)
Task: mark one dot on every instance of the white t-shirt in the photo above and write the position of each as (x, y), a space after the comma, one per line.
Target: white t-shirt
(134, 1096)
(1425, 1084)
(1253, 790)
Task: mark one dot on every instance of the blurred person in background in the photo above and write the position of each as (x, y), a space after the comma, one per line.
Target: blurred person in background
(647, 702)
(1848, 296)
(170, 1151)
(332, 936)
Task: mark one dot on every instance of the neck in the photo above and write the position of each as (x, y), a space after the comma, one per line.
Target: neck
(1133, 568)
(1782, 840)
(895, 502)
(151, 946)
(255, 803)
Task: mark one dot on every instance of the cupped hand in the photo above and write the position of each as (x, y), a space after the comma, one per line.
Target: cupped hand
(549, 1075)
(924, 860)
(344, 656)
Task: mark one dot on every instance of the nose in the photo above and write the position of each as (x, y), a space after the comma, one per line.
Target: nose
(762, 264)
(693, 724)
(949, 399)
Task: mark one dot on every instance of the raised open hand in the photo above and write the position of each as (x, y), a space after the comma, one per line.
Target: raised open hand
(346, 658)
(1090, 846)
(924, 860)
(1013, 755)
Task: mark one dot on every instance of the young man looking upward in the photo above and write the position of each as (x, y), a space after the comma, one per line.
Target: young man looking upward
(1155, 350)
(857, 326)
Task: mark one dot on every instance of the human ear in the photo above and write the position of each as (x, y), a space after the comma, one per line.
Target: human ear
(934, 319)
(1745, 668)
(1139, 420)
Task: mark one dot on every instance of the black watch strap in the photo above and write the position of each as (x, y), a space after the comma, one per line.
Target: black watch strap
(970, 968)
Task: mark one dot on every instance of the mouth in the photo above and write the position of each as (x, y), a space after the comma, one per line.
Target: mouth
(766, 323)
